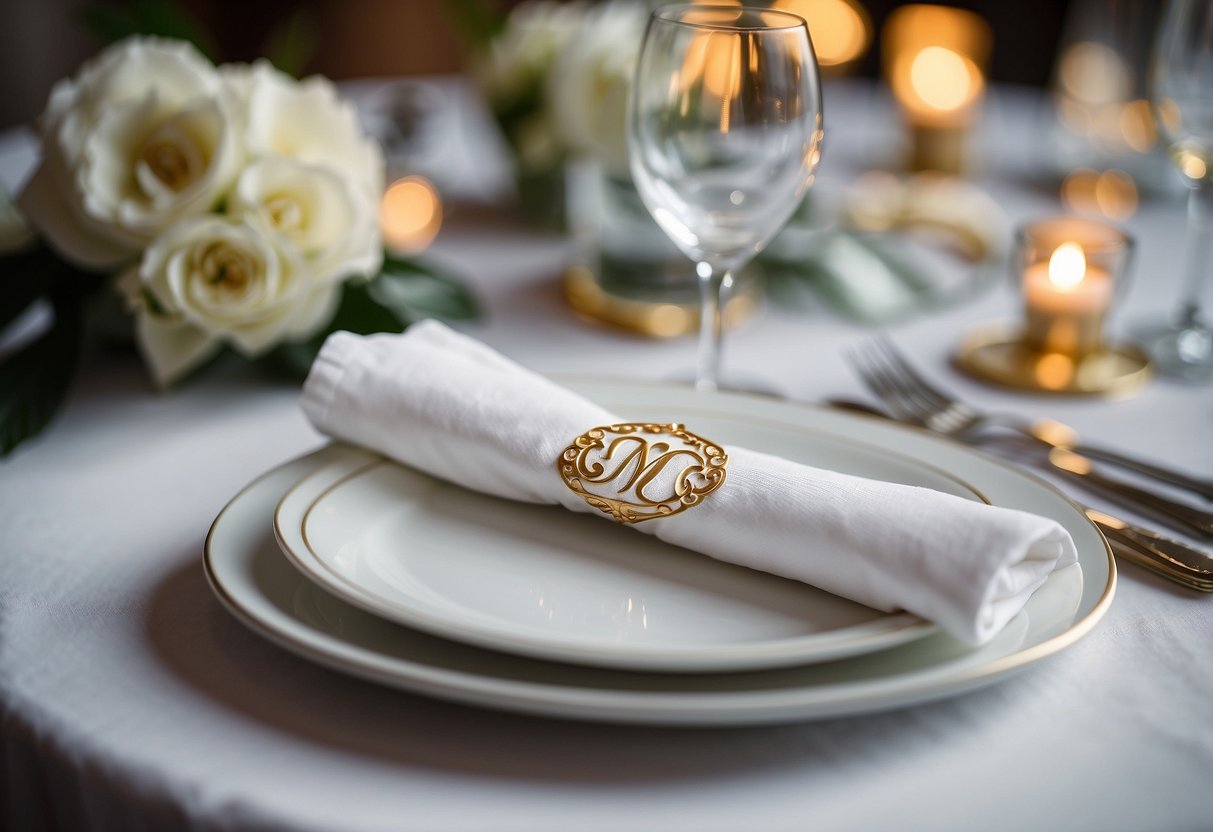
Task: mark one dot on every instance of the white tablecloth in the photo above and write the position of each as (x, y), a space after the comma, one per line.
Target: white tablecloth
(131, 700)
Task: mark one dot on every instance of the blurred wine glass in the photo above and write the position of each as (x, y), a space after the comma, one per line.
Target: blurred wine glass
(1182, 94)
(724, 135)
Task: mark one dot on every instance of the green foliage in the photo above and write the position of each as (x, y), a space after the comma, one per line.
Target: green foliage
(404, 292)
(476, 21)
(413, 292)
(114, 21)
(35, 380)
(291, 45)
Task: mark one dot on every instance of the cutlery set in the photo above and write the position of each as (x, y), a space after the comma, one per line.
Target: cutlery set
(910, 398)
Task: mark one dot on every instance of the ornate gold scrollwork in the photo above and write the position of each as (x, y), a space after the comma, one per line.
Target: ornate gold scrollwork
(640, 471)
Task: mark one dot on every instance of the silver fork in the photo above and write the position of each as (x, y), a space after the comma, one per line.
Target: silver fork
(882, 365)
(911, 398)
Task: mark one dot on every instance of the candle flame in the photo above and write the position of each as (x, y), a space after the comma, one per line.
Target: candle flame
(933, 56)
(941, 79)
(1067, 266)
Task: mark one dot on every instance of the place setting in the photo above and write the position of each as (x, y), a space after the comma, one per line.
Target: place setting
(381, 569)
(768, 561)
(607, 414)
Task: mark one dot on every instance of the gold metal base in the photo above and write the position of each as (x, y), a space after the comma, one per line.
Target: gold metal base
(999, 355)
(654, 319)
(939, 149)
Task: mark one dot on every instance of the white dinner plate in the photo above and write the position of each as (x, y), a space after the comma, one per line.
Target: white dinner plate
(256, 583)
(545, 582)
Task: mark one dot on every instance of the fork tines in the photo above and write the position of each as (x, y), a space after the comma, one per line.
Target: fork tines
(887, 373)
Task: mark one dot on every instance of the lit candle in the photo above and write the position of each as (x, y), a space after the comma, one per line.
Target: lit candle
(933, 59)
(1066, 300)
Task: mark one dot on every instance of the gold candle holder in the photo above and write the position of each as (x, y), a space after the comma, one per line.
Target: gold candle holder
(1070, 271)
(934, 59)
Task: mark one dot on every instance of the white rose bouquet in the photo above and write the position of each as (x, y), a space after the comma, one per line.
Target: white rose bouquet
(591, 79)
(556, 78)
(230, 206)
(513, 59)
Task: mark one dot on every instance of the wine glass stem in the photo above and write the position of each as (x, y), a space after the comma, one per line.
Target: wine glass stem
(1199, 250)
(712, 283)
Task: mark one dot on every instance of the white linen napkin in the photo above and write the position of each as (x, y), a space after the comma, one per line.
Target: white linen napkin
(444, 403)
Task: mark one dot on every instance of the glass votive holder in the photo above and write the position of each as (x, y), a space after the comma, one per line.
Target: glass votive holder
(1069, 273)
(1070, 270)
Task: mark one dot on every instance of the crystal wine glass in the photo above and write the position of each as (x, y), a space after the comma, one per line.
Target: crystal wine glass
(724, 134)
(1181, 88)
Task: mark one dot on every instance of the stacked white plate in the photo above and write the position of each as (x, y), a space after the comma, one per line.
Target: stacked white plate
(382, 572)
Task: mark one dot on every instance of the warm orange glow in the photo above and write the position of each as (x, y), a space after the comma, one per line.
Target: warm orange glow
(1116, 194)
(410, 214)
(1112, 193)
(1078, 190)
(1137, 126)
(1192, 165)
(719, 15)
(1054, 370)
(1168, 114)
(1067, 266)
(933, 58)
(941, 78)
(722, 72)
(937, 85)
(714, 59)
(1093, 73)
(841, 29)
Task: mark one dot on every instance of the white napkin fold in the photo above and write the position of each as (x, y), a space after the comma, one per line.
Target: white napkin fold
(443, 403)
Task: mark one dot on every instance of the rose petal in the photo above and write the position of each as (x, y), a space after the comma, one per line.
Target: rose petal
(171, 348)
(44, 204)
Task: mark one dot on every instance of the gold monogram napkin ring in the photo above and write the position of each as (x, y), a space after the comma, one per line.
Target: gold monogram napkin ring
(639, 471)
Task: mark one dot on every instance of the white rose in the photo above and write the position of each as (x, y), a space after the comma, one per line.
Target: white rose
(522, 54)
(330, 223)
(140, 138)
(590, 81)
(208, 281)
(304, 120)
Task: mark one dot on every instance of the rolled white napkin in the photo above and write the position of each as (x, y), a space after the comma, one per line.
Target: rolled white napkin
(443, 403)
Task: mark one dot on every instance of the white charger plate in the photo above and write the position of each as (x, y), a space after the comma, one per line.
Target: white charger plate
(544, 582)
(257, 584)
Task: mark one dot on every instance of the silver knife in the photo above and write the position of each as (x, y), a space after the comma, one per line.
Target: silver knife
(1169, 558)
(1078, 468)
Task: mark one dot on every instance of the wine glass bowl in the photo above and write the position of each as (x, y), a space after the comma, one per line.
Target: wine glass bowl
(724, 135)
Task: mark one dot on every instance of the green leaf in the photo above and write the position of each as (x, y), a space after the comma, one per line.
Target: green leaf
(477, 22)
(291, 44)
(34, 381)
(414, 292)
(112, 22)
(23, 284)
(403, 293)
(30, 274)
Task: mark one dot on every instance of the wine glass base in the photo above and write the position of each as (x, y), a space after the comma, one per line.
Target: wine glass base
(734, 382)
(1183, 352)
(652, 314)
